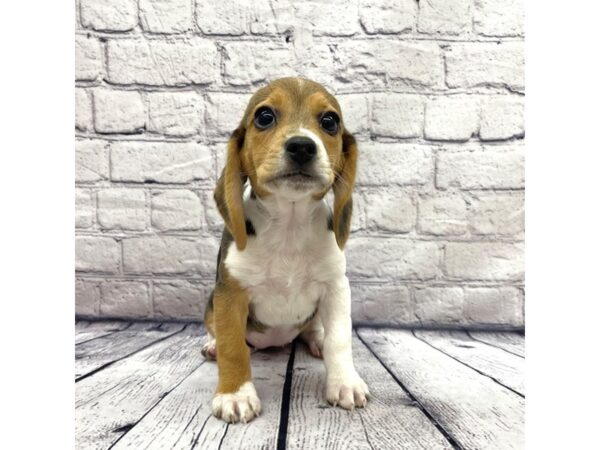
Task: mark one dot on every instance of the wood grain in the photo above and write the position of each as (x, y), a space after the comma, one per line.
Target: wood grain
(183, 419)
(390, 420)
(96, 353)
(113, 400)
(85, 331)
(505, 368)
(476, 411)
(511, 342)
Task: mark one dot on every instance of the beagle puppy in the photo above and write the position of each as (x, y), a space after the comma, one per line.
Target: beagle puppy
(281, 267)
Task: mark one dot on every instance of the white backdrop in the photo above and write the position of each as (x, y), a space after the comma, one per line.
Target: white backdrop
(433, 91)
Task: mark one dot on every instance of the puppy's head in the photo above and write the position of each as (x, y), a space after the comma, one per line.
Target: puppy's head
(291, 143)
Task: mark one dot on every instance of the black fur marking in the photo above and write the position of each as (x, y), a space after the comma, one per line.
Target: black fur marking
(252, 194)
(330, 222)
(250, 231)
(345, 218)
(209, 305)
(226, 240)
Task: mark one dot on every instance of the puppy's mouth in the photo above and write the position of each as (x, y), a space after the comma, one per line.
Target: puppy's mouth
(295, 176)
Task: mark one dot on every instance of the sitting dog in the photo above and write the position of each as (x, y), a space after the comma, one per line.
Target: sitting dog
(281, 266)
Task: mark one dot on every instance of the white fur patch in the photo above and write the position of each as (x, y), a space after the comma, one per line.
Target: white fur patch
(240, 406)
(288, 266)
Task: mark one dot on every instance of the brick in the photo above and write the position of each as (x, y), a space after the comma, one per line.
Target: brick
(122, 209)
(179, 299)
(225, 112)
(439, 305)
(221, 157)
(175, 113)
(157, 63)
(497, 214)
(389, 16)
(109, 15)
(484, 261)
(91, 161)
(444, 16)
(451, 118)
(119, 111)
(166, 16)
(359, 205)
(502, 118)
(87, 297)
(387, 304)
(161, 162)
(487, 168)
(227, 18)
(355, 112)
(126, 299)
(97, 254)
(84, 208)
(317, 16)
(383, 164)
(442, 215)
(264, 17)
(176, 210)
(83, 110)
(169, 255)
(390, 211)
(475, 64)
(88, 58)
(398, 115)
(493, 18)
(493, 306)
(377, 63)
(391, 259)
(214, 220)
(248, 63)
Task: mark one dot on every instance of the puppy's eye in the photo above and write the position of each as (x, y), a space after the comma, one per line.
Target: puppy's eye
(330, 122)
(264, 118)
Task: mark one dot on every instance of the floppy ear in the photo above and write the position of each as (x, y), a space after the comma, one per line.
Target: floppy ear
(342, 190)
(228, 193)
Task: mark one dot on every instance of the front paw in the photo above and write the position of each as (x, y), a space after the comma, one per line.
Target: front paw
(242, 405)
(347, 391)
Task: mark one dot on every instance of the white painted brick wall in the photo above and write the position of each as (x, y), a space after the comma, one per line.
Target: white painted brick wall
(432, 89)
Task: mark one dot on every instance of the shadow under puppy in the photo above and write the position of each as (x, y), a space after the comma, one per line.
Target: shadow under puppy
(281, 267)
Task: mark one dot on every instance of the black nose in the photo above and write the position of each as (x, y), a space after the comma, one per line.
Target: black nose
(301, 149)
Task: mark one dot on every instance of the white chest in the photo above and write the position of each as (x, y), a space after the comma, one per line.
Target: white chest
(286, 270)
(284, 285)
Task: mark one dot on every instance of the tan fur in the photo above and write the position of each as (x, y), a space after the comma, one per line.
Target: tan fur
(228, 193)
(229, 322)
(342, 189)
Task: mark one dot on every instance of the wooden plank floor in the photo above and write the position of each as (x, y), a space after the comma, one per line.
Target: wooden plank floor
(146, 385)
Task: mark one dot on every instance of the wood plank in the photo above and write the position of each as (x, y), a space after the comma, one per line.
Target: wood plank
(110, 402)
(476, 411)
(511, 342)
(183, 419)
(505, 368)
(390, 420)
(96, 353)
(85, 331)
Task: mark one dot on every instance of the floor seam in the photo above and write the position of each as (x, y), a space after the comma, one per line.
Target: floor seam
(162, 397)
(109, 333)
(108, 364)
(492, 345)
(446, 434)
(286, 401)
(469, 366)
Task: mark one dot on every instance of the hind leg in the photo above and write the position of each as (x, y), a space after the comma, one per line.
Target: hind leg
(312, 334)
